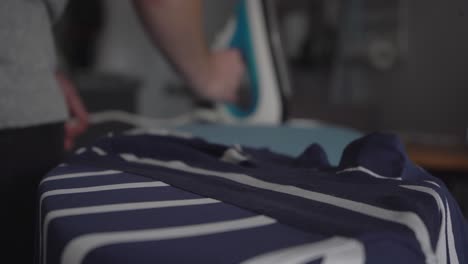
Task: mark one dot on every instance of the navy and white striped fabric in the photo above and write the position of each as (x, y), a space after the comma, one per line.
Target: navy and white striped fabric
(171, 199)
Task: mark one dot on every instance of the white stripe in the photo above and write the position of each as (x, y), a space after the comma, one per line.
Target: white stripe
(100, 209)
(409, 219)
(333, 250)
(80, 175)
(77, 249)
(233, 156)
(92, 189)
(99, 151)
(80, 151)
(451, 240)
(369, 172)
(159, 132)
(100, 189)
(434, 183)
(441, 248)
(448, 232)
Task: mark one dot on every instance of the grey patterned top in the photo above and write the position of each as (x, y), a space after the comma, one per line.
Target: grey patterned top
(29, 94)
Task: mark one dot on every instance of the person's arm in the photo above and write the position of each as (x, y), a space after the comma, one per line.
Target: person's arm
(80, 121)
(176, 27)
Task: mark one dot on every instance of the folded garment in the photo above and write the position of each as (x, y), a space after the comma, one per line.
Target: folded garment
(376, 206)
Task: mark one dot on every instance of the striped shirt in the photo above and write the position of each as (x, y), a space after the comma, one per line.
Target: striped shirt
(157, 198)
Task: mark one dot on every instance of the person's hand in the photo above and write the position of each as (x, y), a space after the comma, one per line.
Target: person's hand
(222, 78)
(80, 121)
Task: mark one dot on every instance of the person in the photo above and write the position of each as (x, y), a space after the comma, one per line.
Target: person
(35, 95)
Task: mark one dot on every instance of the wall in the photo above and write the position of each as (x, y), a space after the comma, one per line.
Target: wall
(431, 91)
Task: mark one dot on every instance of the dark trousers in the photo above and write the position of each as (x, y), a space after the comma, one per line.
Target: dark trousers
(26, 155)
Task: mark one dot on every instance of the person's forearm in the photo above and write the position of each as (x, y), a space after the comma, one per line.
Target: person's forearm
(176, 27)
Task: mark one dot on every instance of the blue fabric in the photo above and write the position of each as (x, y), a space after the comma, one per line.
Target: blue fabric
(286, 140)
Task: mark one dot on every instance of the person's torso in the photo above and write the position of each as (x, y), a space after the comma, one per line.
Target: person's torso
(29, 94)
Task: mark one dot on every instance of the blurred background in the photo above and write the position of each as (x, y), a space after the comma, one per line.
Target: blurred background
(391, 65)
